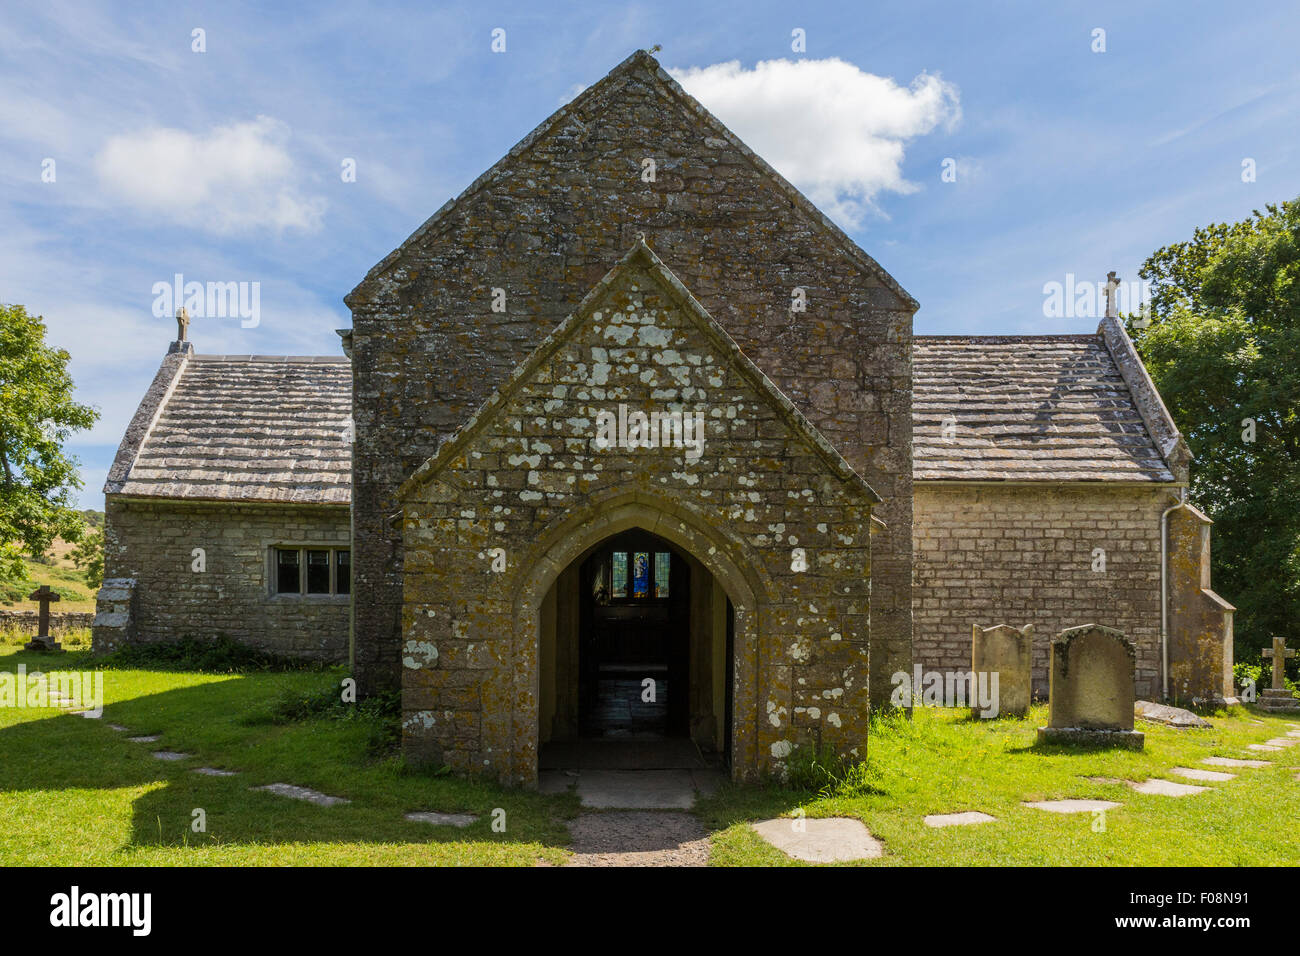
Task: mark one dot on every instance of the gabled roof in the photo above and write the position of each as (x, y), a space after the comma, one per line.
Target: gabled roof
(235, 428)
(1028, 408)
(640, 257)
(604, 90)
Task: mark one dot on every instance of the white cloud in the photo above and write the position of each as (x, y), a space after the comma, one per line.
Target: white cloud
(235, 178)
(835, 131)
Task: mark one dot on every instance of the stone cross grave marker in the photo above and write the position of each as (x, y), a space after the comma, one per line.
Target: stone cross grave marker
(43, 641)
(1277, 697)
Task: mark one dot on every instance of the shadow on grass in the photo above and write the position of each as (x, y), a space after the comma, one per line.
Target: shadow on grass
(221, 723)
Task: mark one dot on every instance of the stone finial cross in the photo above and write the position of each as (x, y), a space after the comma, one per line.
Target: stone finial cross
(182, 324)
(45, 596)
(1279, 652)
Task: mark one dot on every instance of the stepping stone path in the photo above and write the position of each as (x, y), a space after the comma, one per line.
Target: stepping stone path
(957, 819)
(89, 714)
(1073, 806)
(639, 838)
(1191, 773)
(214, 772)
(118, 727)
(442, 819)
(828, 840)
(1233, 762)
(170, 755)
(1166, 788)
(1293, 733)
(1264, 747)
(1280, 742)
(302, 793)
(151, 739)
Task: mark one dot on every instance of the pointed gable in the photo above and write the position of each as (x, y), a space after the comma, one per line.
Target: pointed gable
(597, 106)
(667, 357)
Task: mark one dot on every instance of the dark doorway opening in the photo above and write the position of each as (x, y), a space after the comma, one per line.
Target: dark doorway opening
(634, 640)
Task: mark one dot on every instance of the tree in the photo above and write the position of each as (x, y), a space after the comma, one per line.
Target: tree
(37, 415)
(1223, 347)
(88, 555)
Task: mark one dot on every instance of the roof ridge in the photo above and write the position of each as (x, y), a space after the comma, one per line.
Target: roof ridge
(603, 89)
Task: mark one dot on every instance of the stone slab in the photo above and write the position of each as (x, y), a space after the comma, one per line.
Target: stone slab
(1293, 733)
(118, 727)
(1091, 737)
(215, 772)
(1169, 716)
(1073, 806)
(151, 739)
(442, 819)
(1280, 742)
(303, 793)
(170, 755)
(1234, 762)
(965, 818)
(1193, 773)
(1266, 748)
(830, 840)
(1166, 788)
(636, 789)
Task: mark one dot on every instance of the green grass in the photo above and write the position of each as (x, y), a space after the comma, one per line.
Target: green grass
(75, 793)
(941, 762)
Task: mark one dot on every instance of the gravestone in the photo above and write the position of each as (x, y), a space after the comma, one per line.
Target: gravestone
(43, 641)
(1092, 689)
(1007, 652)
(1277, 697)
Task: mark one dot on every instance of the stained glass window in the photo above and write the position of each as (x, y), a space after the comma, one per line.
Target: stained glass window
(641, 574)
(619, 589)
(663, 564)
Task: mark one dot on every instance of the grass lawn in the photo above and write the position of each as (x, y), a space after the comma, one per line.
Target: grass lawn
(62, 576)
(73, 792)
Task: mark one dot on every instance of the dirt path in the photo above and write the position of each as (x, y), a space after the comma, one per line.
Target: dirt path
(639, 838)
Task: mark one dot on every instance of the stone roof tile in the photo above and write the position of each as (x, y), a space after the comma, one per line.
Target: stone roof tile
(1026, 408)
(250, 428)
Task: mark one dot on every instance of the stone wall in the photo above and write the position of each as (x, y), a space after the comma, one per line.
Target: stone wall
(153, 543)
(428, 347)
(528, 485)
(1022, 554)
(60, 621)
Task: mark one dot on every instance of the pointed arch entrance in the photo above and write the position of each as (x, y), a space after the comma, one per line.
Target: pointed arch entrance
(640, 638)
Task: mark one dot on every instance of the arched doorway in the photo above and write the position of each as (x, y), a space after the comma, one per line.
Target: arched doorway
(634, 639)
(636, 651)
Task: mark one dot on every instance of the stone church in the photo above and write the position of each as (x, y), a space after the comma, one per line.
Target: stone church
(630, 442)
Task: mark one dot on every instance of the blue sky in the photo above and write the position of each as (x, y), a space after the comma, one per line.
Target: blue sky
(225, 165)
